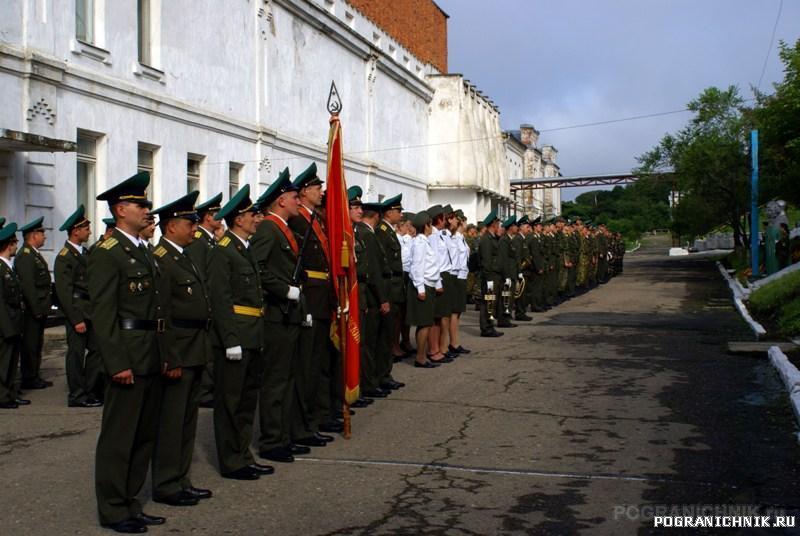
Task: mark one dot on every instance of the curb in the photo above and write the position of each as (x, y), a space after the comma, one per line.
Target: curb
(638, 245)
(790, 376)
(755, 285)
(738, 295)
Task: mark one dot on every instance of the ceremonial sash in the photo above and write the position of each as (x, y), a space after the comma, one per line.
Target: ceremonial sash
(319, 232)
(288, 233)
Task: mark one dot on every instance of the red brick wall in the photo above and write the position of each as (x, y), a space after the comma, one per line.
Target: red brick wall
(418, 25)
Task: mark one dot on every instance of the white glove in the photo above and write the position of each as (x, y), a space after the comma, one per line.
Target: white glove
(308, 322)
(293, 294)
(520, 276)
(234, 353)
(508, 281)
(490, 286)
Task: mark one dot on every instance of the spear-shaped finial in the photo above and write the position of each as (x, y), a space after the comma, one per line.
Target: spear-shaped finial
(334, 102)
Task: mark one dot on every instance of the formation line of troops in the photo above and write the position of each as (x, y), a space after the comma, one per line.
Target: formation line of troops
(236, 316)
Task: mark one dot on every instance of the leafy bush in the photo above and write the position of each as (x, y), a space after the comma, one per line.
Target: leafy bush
(778, 303)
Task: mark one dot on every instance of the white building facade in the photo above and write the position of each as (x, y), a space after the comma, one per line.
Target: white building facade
(214, 95)
(537, 162)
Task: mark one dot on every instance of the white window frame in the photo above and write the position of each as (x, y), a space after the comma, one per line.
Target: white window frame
(234, 172)
(152, 167)
(195, 171)
(92, 162)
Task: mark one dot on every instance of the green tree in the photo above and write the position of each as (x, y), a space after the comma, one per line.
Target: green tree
(777, 117)
(711, 164)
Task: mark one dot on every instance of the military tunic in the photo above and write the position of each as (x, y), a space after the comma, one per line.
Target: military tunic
(83, 365)
(377, 292)
(11, 313)
(517, 250)
(237, 308)
(187, 345)
(127, 317)
(199, 251)
(393, 278)
(34, 278)
(280, 402)
(491, 271)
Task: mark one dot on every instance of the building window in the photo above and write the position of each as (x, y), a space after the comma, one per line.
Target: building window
(194, 164)
(86, 175)
(84, 20)
(146, 162)
(234, 172)
(144, 14)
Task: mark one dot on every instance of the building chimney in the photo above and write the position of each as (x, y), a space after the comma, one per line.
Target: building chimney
(528, 135)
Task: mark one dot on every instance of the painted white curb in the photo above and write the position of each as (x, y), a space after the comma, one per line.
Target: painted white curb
(774, 277)
(638, 245)
(678, 252)
(738, 295)
(790, 376)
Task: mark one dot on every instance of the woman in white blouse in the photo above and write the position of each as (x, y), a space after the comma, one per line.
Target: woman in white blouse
(424, 283)
(460, 253)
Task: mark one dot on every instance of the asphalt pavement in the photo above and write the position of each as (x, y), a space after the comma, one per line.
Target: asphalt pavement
(614, 406)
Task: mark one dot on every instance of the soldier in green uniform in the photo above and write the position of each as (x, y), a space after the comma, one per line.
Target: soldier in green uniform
(509, 272)
(522, 302)
(518, 248)
(491, 275)
(187, 349)
(537, 268)
(314, 350)
(34, 277)
(602, 255)
(237, 306)
(377, 301)
(199, 250)
(82, 362)
(390, 212)
(127, 318)
(11, 312)
(276, 250)
(363, 273)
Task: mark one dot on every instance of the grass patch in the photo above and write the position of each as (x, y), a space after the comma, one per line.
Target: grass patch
(778, 303)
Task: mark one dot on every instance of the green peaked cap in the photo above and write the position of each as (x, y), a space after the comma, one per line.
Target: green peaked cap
(183, 207)
(35, 225)
(280, 186)
(354, 194)
(7, 231)
(490, 218)
(238, 204)
(131, 189)
(74, 220)
(308, 177)
(212, 205)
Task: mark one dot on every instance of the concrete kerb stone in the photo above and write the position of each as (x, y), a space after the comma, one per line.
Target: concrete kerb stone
(739, 295)
(774, 277)
(790, 376)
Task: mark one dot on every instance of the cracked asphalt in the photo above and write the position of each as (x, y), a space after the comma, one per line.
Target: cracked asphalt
(615, 403)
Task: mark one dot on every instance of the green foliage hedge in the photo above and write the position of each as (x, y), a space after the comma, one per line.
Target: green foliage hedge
(779, 303)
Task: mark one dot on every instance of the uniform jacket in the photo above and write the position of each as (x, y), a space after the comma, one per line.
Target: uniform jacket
(275, 258)
(233, 280)
(185, 297)
(392, 251)
(123, 283)
(199, 250)
(377, 287)
(489, 250)
(71, 271)
(34, 278)
(11, 302)
(318, 294)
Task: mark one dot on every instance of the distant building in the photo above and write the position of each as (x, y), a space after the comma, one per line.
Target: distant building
(537, 162)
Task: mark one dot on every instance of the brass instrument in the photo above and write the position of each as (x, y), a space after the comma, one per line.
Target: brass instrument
(490, 298)
(520, 290)
(506, 295)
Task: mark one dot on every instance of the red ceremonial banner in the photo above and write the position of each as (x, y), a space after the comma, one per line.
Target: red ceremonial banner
(345, 329)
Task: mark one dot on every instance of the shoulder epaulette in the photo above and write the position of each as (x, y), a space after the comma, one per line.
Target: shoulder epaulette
(63, 251)
(384, 227)
(109, 243)
(160, 251)
(26, 250)
(198, 234)
(224, 241)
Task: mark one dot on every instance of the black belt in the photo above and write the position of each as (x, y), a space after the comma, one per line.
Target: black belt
(80, 294)
(192, 324)
(145, 325)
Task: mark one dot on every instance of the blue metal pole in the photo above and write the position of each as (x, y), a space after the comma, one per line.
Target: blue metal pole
(754, 203)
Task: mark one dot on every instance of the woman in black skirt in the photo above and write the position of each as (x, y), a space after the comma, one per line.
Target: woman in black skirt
(424, 283)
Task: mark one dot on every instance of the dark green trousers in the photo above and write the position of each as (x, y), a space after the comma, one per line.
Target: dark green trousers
(83, 366)
(314, 355)
(32, 343)
(384, 360)
(369, 344)
(521, 303)
(277, 397)
(235, 400)
(125, 446)
(177, 428)
(572, 278)
(207, 381)
(9, 361)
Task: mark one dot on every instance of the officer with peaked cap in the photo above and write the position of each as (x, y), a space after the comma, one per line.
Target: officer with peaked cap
(314, 355)
(128, 321)
(34, 277)
(198, 251)
(276, 250)
(71, 272)
(491, 275)
(187, 348)
(11, 311)
(238, 308)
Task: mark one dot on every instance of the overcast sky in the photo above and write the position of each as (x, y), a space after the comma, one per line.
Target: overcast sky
(567, 62)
